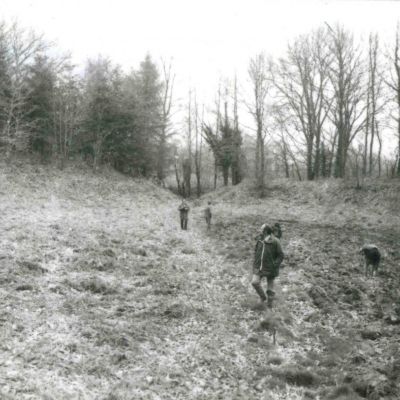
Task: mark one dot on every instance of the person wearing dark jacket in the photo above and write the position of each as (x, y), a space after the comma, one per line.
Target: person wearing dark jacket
(208, 215)
(268, 257)
(184, 214)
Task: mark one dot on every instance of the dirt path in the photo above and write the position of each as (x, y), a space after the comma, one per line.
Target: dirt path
(214, 343)
(203, 337)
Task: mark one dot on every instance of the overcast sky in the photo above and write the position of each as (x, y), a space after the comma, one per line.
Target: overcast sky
(206, 38)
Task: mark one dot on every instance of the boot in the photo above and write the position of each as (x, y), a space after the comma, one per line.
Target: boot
(271, 296)
(260, 292)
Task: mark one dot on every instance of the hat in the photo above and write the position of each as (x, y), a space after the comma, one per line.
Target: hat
(266, 228)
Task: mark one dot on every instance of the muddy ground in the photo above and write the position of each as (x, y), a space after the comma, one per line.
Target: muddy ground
(343, 328)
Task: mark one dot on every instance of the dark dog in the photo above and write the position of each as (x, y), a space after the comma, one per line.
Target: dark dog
(372, 258)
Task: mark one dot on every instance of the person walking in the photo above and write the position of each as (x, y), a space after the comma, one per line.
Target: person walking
(184, 214)
(268, 257)
(208, 215)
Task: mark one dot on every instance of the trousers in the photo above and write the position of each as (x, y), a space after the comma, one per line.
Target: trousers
(256, 282)
(184, 223)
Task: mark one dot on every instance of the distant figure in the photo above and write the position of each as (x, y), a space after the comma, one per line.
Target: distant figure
(267, 260)
(372, 257)
(184, 214)
(276, 230)
(208, 215)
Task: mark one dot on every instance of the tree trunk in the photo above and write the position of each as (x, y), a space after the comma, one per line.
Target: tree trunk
(178, 181)
(317, 162)
(379, 150)
(97, 147)
(371, 147)
(225, 174)
(257, 160)
(365, 156)
(161, 159)
(198, 182)
(398, 133)
(187, 173)
(297, 171)
(262, 164)
(215, 172)
(235, 168)
(237, 141)
(310, 175)
(285, 161)
(339, 157)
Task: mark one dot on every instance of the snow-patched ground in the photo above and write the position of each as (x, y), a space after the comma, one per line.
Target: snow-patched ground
(102, 296)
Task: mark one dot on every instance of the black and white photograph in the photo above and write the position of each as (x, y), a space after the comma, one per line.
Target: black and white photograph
(199, 200)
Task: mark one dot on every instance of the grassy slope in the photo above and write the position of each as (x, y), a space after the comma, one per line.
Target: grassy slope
(103, 297)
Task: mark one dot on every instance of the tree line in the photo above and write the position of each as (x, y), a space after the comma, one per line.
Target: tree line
(103, 114)
(323, 109)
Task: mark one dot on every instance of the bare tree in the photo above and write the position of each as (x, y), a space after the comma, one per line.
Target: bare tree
(23, 46)
(198, 146)
(165, 132)
(67, 101)
(284, 153)
(236, 140)
(221, 146)
(260, 87)
(287, 139)
(347, 80)
(187, 162)
(394, 83)
(356, 157)
(379, 137)
(301, 80)
(217, 126)
(374, 104)
(179, 183)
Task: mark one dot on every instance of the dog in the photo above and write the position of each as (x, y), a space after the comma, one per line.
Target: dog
(372, 258)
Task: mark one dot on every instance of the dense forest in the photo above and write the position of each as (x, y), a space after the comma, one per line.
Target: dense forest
(330, 107)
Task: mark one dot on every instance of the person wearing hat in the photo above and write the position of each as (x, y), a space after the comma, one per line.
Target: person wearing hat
(267, 260)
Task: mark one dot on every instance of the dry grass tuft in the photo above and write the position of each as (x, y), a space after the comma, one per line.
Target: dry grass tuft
(188, 250)
(93, 285)
(344, 392)
(298, 376)
(275, 360)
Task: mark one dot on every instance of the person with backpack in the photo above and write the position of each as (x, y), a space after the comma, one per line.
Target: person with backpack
(208, 215)
(184, 214)
(268, 257)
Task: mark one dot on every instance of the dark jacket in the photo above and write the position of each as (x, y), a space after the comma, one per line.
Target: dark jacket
(184, 210)
(268, 256)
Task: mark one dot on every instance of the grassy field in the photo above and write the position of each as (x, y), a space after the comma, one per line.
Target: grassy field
(102, 296)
